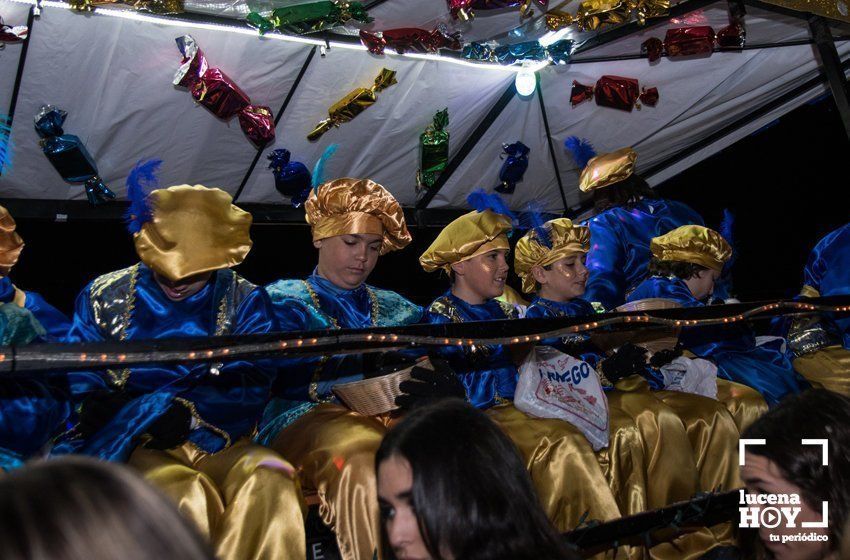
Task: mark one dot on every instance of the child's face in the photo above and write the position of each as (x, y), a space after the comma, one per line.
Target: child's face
(702, 284)
(484, 275)
(565, 279)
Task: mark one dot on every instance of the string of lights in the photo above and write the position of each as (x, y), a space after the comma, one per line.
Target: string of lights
(177, 21)
(64, 357)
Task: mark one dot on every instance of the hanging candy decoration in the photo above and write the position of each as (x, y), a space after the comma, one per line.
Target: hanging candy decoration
(9, 34)
(291, 178)
(6, 145)
(433, 151)
(160, 6)
(68, 154)
(593, 14)
(698, 40)
(353, 104)
(411, 39)
(214, 89)
(558, 52)
(465, 9)
(514, 166)
(616, 92)
(152, 6)
(310, 17)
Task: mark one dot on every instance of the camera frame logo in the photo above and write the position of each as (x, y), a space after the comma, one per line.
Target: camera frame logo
(771, 511)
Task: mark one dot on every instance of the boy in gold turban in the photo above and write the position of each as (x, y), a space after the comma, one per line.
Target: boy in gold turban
(473, 250)
(188, 427)
(822, 344)
(354, 222)
(685, 265)
(32, 411)
(55, 323)
(550, 261)
(627, 214)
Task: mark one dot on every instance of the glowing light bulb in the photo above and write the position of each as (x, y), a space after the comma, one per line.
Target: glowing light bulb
(526, 82)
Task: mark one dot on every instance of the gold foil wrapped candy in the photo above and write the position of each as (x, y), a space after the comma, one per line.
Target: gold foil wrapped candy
(593, 14)
(353, 104)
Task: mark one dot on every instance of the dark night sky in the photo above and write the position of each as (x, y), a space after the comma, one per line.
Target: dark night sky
(786, 184)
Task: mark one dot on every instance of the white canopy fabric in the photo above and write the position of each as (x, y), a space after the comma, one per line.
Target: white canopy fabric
(113, 75)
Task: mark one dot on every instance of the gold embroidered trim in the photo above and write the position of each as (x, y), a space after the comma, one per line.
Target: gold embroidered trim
(313, 389)
(203, 423)
(119, 378)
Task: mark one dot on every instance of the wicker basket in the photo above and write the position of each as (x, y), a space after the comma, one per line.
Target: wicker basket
(653, 339)
(374, 396)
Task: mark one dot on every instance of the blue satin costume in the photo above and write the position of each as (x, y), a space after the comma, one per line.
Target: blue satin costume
(129, 304)
(827, 273)
(32, 410)
(488, 373)
(619, 245)
(332, 447)
(243, 498)
(55, 323)
(731, 347)
(542, 308)
(315, 304)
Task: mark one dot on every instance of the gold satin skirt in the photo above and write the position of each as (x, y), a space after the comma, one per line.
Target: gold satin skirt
(671, 468)
(334, 449)
(745, 404)
(563, 467)
(245, 499)
(828, 368)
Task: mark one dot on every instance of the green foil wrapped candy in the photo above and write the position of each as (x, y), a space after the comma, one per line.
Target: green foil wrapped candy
(433, 150)
(311, 17)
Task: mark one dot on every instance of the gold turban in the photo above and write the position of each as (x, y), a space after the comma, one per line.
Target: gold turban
(692, 244)
(470, 235)
(350, 206)
(607, 169)
(11, 243)
(193, 230)
(565, 239)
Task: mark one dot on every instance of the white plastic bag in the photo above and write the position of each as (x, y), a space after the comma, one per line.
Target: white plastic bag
(691, 375)
(555, 385)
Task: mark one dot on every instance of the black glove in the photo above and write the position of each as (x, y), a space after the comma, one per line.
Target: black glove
(376, 364)
(98, 409)
(627, 360)
(428, 385)
(664, 357)
(171, 429)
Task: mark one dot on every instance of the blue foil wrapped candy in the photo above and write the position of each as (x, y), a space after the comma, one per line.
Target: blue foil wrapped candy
(68, 154)
(477, 51)
(514, 166)
(558, 52)
(520, 52)
(291, 178)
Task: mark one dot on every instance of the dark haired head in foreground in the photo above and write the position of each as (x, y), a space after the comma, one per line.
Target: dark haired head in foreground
(451, 485)
(76, 508)
(783, 465)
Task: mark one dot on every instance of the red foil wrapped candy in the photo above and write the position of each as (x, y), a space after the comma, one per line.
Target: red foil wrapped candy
(616, 92)
(9, 34)
(410, 39)
(697, 40)
(465, 9)
(686, 41)
(733, 36)
(214, 89)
